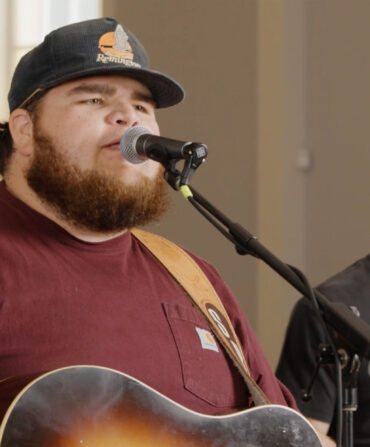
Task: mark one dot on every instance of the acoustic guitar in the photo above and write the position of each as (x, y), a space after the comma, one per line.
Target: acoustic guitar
(89, 406)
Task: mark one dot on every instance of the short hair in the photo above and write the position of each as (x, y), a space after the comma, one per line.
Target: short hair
(6, 140)
(6, 146)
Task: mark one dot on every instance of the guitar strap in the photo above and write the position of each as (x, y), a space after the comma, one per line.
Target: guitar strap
(197, 286)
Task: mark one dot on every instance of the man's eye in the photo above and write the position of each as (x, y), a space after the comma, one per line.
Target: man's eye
(140, 108)
(93, 101)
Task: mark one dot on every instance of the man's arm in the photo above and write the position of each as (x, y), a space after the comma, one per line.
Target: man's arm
(297, 363)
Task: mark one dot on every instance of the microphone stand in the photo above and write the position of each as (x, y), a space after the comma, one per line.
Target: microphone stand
(351, 333)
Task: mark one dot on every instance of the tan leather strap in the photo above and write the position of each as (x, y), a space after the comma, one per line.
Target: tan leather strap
(197, 286)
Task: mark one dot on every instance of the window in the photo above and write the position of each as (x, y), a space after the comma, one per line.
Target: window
(24, 23)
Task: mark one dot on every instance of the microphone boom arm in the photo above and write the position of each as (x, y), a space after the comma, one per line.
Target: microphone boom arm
(353, 332)
(350, 334)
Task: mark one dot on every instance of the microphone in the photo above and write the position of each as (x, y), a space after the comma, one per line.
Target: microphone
(138, 144)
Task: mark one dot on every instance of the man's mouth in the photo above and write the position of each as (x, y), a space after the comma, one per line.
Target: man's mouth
(112, 145)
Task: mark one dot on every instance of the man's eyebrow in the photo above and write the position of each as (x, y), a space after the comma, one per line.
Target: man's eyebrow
(142, 96)
(110, 90)
(92, 88)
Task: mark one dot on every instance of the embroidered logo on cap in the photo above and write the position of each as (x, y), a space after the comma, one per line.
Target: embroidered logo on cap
(207, 339)
(115, 47)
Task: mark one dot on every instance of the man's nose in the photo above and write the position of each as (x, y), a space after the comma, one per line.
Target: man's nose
(124, 115)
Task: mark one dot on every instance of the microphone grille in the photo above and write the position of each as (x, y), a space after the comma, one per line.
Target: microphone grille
(128, 143)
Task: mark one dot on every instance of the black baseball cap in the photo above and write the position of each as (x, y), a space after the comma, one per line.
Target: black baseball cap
(99, 46)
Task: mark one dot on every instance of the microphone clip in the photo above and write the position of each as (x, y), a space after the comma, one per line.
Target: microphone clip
(195, 155)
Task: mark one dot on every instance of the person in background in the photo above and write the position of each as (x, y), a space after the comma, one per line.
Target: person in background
(300, 349)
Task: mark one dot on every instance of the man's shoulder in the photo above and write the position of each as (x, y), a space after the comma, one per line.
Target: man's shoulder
(358, 271)
(177, 248)
(351, 286)
(223, 291)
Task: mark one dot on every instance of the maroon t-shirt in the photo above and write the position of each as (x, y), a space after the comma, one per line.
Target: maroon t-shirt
(67, 302)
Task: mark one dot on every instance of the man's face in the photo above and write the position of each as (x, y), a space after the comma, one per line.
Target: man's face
(77, 168)
(87, 118)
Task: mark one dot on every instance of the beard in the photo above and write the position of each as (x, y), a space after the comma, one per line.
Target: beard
(89, 199)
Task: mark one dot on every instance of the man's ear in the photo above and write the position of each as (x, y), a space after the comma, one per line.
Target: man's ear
(21, 129)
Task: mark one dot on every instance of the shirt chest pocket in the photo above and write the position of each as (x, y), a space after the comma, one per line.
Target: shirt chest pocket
(207, 371)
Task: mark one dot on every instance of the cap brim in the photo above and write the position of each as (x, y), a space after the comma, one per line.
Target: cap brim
(166, 92)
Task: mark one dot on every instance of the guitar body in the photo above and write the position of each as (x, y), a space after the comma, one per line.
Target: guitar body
(88, 406)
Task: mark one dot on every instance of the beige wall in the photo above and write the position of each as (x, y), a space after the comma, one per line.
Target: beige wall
(278, 89)
(338, 117)
(281, 162)
(313, 154)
